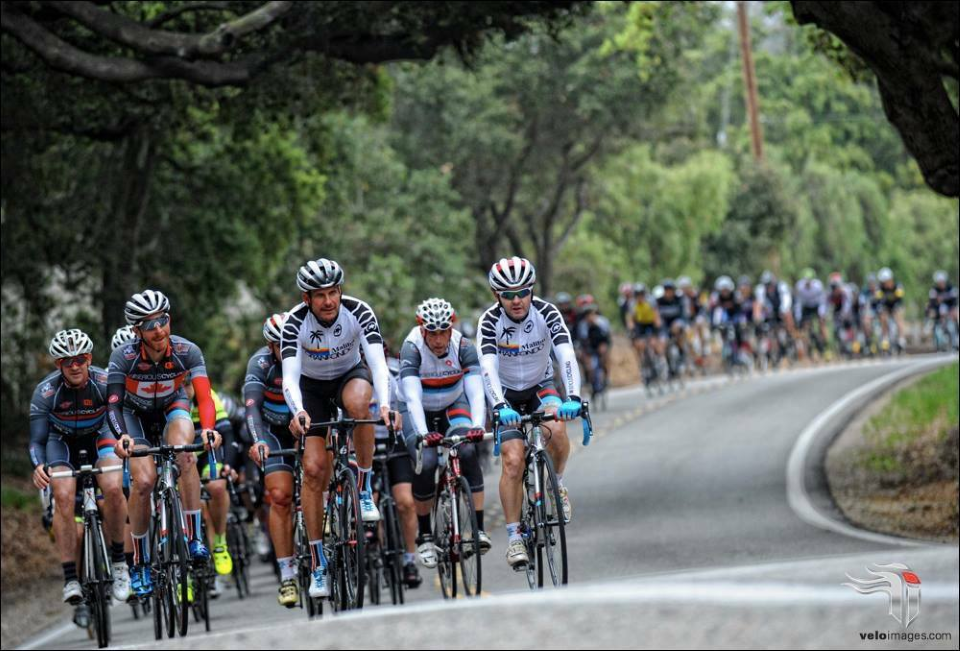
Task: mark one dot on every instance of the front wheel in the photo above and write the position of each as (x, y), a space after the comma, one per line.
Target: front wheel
(551, 527)
(469, 540)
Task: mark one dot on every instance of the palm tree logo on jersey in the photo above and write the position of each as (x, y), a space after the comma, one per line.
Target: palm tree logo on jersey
(504, 346)
(318, 352)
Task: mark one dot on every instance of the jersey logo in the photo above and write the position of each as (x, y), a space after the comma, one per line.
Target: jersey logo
(129, 353)
(508, 332)
(143, 366)
(556, 327)
(316, 335)
(263, 363)
(47, 390)
(249, 402)
(65, 405)
(338, 330)
(87, 403)
(371, 327)
(181, 348)
(449, 363)
(168, 366)
(114, 399)
(528, 328)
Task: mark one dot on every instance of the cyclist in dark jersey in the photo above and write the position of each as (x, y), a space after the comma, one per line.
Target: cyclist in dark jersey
(147, 401)
(67, 415)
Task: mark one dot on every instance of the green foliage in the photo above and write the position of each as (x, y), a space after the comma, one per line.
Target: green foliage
(933, 401)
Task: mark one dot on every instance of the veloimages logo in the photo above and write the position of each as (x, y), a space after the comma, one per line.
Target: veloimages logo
(901, 586)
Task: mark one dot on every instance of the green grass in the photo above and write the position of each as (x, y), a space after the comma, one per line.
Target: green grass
(14, 498)
(931, 403)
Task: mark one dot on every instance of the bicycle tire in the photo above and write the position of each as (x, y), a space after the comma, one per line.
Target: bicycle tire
(352, 559)
(551, 534)
(394, 552)
(469, 552)
(442, 533)
(179, 565)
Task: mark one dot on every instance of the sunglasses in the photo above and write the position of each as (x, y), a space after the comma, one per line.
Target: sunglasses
(433, 327)
(522, 293)
(70, 362)
(149, 324)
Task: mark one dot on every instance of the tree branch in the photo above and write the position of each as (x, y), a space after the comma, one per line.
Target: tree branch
(132, 34)
(170, 14)
(62, 56)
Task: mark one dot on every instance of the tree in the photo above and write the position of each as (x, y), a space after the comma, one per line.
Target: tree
(911, 47)
(524, 130)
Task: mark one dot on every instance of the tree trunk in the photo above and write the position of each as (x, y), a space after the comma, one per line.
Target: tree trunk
(130, 200)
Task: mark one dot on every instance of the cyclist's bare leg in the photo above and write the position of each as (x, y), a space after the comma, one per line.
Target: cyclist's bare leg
(180, 432)
(356, 402)
(280, 487)
(406, 510)
(143, 476)
(114, 503)
(316, 476)
(64, 527)
(558, 445)
(512, 460)
(218, 506)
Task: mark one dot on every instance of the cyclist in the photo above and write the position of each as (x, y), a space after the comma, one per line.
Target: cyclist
(596, 345)
(67, 415)
(268, 420)
(441, 394)
(645, 322)
(811, 305)
(870, 309)
(840, 302)
(516, 336)
(890, 299)
(942, 304)
(219, 505)
(670, 307)
(147, 400)
(320, 346)
(727, 312)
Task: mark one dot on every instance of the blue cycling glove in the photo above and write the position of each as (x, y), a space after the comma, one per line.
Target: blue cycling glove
(508, 416)
(570, 409)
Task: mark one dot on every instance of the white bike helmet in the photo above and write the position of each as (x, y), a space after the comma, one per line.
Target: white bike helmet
(319, 274)
(436, 314)
(510, 274)
(273, 327)
(885, 275)
(121, 336)
(70, 343)
(142, 305)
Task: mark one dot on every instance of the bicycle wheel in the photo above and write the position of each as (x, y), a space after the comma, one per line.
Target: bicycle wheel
(443, 541)
(469, 545)
(528, 526)
(161, 604)
(551, 528)
(97, 579)
(393, 554)
(235, 545)
(351, 542)
(178, 566)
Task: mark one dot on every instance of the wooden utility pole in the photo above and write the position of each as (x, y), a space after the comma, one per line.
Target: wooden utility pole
(750, 81)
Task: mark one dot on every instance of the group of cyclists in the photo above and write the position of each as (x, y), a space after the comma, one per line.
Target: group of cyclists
(323, 358)
(673, 326)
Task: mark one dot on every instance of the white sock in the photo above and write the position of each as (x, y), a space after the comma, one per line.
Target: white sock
(288, 567)
(513, 532)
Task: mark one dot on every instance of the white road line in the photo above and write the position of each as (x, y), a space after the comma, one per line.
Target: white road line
(797, 494)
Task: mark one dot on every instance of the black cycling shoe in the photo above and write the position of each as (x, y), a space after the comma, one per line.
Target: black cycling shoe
(411, 576)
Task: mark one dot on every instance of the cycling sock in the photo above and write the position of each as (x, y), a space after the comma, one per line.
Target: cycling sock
(513, 532)
(116, 552)
(560, 481)
(128, 556)
(194, 526)
(69, 572)
(219, 540)
(141, 550)
(364, 478)
(409, 557)
(288, 567)
(316, 554)
(480, 519)
(423, 521)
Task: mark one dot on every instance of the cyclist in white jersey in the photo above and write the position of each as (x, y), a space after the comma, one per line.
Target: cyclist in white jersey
(322, 370)
(516, 336)
(441, 395)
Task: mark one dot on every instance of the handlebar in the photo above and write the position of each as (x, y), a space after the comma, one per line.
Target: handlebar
(538, 417)
(448, 442)
(85, 470)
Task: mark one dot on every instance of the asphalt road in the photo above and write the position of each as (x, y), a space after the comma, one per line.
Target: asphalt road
(683, 535)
